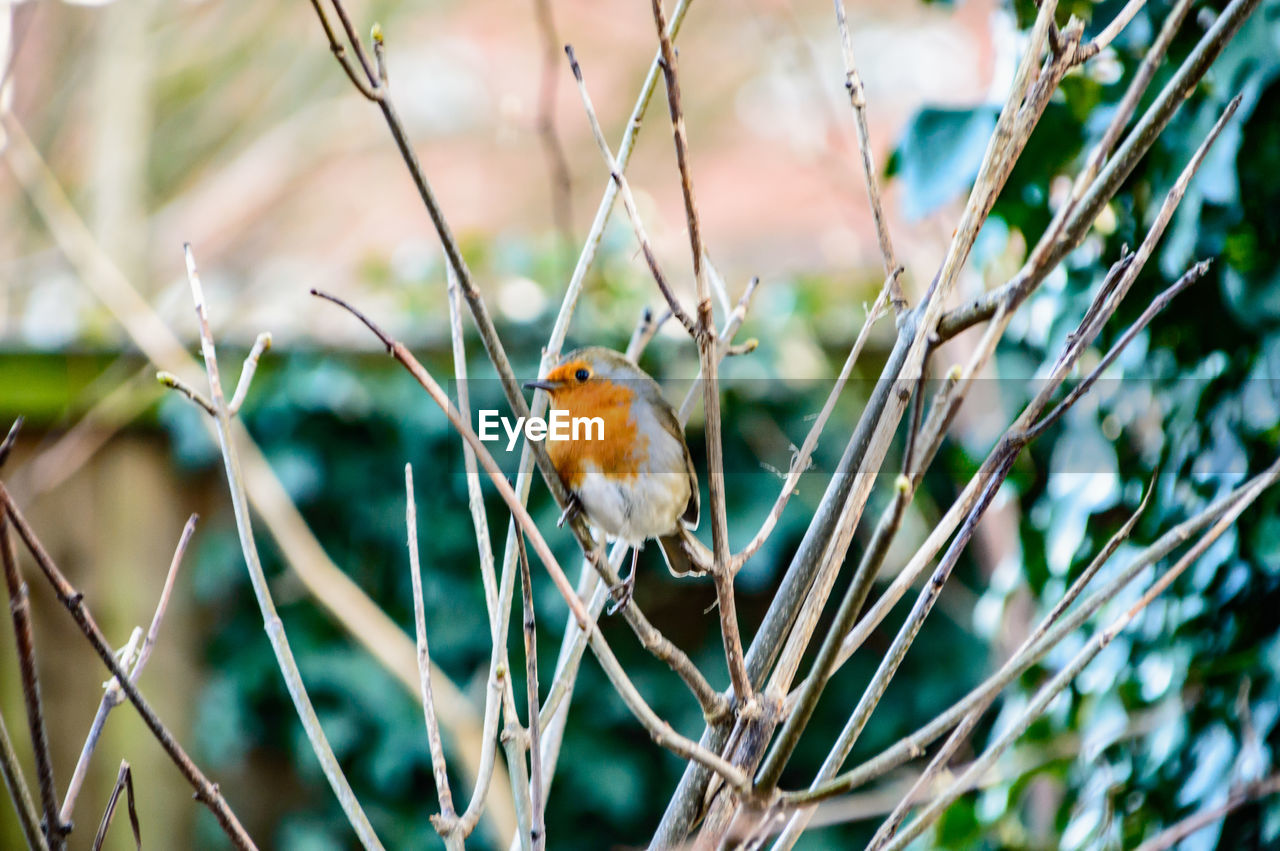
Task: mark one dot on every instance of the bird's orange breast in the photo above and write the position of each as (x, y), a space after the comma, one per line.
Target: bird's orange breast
(622, 448)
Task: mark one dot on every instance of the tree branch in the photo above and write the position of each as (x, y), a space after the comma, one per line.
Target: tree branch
(206, 792)
(271, 620)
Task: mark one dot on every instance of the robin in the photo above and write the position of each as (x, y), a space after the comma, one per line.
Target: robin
(633, 478)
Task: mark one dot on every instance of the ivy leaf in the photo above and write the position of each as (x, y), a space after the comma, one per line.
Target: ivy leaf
(940, 156)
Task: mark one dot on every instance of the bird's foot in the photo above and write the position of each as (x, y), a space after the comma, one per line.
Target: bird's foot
(622, 593)
(572, 509)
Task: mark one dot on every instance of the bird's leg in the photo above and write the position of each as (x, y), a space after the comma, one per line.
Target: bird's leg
(623, 590)
(572, 508)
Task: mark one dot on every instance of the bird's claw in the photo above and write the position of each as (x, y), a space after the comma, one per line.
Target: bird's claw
(621, 593)
(572, 509)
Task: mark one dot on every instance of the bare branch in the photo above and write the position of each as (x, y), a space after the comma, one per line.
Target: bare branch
(271, 620)
(961, 733)
(6, 446)
(135, 661)
(913, 745)
(537, 800)
(858, 100)
(260, 346)
(516, 741)
(28, 817)
(20, 611)
(552, 148)
(1117, 25)
(705, 337)
(438, 766)
(173, 382)
(340, 53)
(680, 135)
(124, 782)
(356, 44)
(645, 328)
(475, 498)
(206, 792)
(1051, 689)
(628, 200)
(800, 462)
(1172, 835)
(1158, 304)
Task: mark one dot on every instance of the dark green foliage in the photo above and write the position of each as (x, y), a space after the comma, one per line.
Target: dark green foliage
(1183, 705)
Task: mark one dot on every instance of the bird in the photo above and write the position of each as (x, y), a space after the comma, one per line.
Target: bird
(633, 478)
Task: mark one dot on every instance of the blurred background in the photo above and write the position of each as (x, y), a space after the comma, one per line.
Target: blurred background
(134, 126)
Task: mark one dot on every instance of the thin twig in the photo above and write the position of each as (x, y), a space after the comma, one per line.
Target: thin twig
(356, 44)
(475, 497)
(124, 782)
(6, 446)
(20, 611)
(680, 136)
(913, 745)
(438, 766)
(800, 463)
(497, 595)
(1159, 303)
(858, 100)
(205, 791)
(260, 346)
(515, 739)
(28, 817)
(646, 327)
(173, 382)
(552, 148)
(537, 827)
(731, 326)
(1117, 25)
(340, 53)
(709, 361)
(134, 662)
(499, 687)
(271, 619)
(961, 733)
(1051, 689)
(628, 200)
(1172, 835)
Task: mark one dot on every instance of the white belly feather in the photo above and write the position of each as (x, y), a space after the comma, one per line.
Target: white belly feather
(646, 506)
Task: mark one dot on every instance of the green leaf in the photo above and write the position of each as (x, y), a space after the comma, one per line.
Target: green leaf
(940, 155)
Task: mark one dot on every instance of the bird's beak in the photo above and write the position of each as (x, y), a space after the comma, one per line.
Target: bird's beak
(540, 384)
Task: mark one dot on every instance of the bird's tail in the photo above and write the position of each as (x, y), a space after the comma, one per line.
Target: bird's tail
(685, 555)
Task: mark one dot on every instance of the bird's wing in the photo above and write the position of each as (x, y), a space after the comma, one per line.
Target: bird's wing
(671, 424)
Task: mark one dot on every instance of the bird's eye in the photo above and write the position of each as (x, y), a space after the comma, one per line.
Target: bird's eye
(582, 374)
